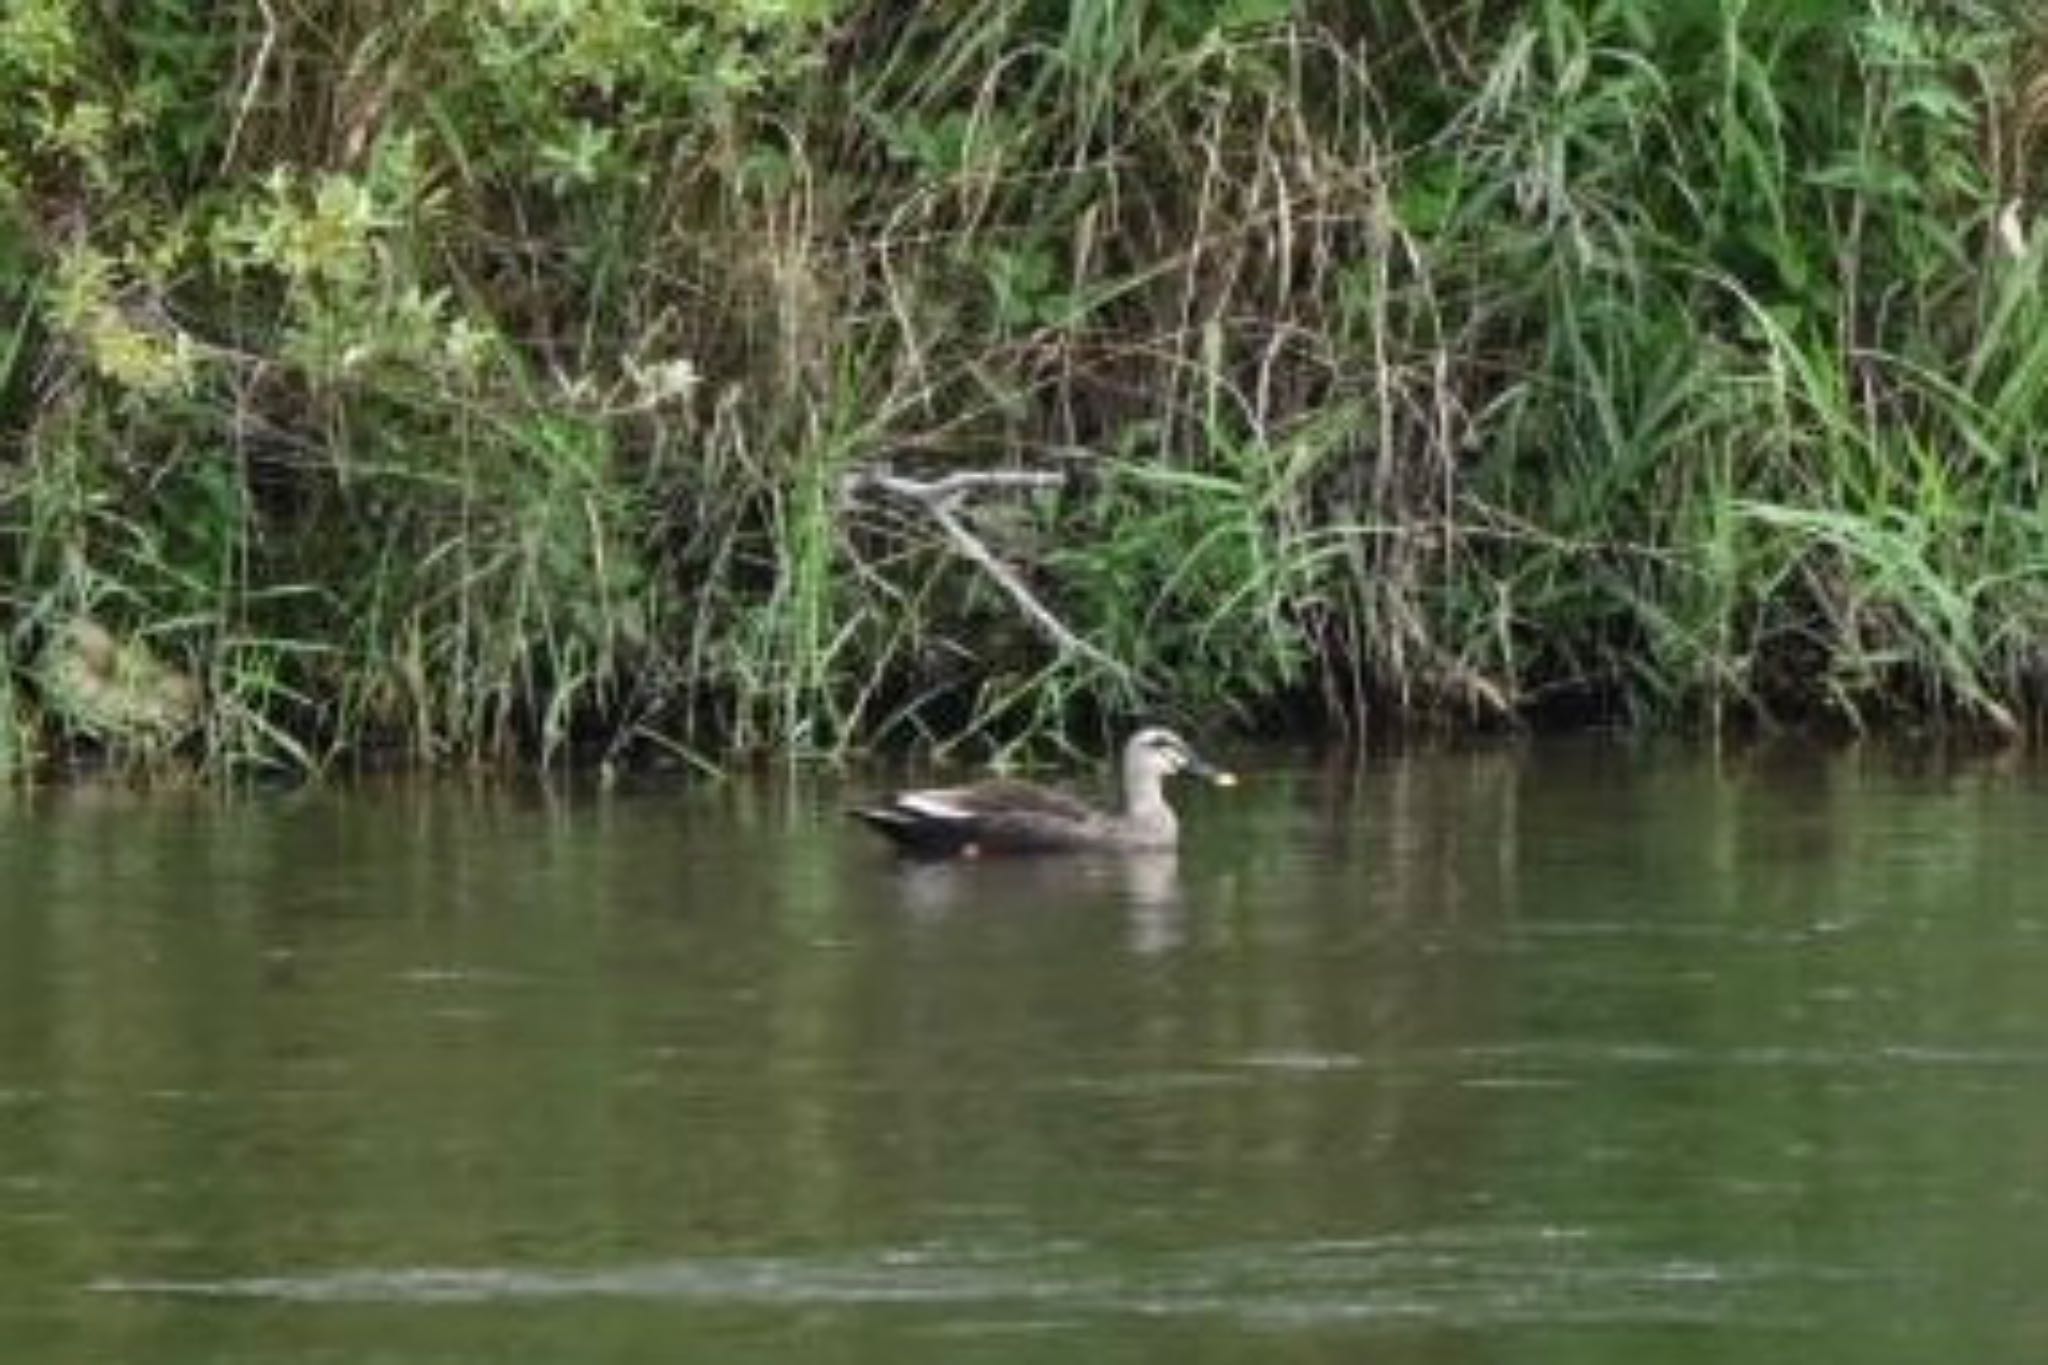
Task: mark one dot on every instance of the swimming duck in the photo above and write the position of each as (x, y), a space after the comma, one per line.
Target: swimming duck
(1007, 816)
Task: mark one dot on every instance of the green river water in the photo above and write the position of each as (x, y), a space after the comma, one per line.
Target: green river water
(1559, 1052)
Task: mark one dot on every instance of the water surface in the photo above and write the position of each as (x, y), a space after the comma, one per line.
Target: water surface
(1563, 1052)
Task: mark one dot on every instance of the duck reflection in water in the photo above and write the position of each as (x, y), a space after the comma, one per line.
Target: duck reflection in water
(1144, 883)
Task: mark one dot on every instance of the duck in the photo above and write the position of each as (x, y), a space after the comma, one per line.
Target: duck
(1003, 815)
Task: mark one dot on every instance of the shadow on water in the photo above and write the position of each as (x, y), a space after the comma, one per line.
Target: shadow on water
(1561, 1052)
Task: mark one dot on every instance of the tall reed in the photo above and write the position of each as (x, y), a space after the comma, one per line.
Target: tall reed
(464, 382)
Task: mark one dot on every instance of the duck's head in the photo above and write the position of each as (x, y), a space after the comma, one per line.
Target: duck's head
(1155, 753)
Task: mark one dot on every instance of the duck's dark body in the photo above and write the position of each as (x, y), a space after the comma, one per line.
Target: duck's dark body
(999, 816)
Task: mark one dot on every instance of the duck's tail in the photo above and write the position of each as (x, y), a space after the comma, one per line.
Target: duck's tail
(914, 831)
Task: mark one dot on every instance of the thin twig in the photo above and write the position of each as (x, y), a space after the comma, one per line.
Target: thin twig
(257, 69)
(952, 488)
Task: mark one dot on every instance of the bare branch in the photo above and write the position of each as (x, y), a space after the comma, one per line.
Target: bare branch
(953, 487)
(941, 498)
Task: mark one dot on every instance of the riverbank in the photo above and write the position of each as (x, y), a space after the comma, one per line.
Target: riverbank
(653, 378)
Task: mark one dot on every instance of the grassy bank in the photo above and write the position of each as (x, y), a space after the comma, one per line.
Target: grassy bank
(467, 379)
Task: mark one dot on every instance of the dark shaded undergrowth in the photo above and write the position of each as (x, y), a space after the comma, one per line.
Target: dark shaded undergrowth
(467, 380)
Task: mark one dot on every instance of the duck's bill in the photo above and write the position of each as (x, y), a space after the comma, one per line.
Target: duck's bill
(1210, 773)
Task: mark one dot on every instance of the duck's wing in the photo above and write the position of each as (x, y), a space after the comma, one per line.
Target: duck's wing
(997, 798)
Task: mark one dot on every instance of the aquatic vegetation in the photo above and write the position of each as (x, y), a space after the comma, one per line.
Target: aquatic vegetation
(467, 382)
(116, 691)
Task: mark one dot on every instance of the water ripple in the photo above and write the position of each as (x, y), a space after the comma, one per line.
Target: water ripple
(1458, 1277)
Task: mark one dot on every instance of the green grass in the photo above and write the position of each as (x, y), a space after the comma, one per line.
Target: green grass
(469, 384)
